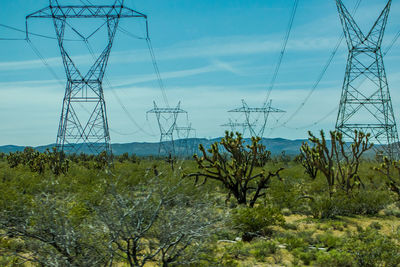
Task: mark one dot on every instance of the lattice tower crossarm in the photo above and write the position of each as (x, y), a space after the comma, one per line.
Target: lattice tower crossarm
(167, 118)
(367, 108)
(84, 90)
(265, 111)
(234, 126)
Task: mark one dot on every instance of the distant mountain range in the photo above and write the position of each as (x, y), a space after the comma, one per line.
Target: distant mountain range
(275, 145)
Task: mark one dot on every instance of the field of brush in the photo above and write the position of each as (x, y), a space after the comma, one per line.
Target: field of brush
(153, 212)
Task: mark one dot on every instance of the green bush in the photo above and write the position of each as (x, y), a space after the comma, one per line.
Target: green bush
(328, 240)
(285, 194)
(239, 250)
(293, 243)
(335, 258)
(252, 222)
(262, 249)
(305, 255)
(364, 202)
(369, 248)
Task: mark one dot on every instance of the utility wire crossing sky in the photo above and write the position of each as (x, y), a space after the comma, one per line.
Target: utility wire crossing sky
(209, 54)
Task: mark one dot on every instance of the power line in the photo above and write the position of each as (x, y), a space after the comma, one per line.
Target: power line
(44, 61)
(12, 39)
(316, 122)
(157, 71)
(127, 113)
(320, 76)
(28, 33)
(283, 50)
(389, 47)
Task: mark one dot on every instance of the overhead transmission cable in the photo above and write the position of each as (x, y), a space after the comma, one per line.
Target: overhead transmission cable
(126, 111)
(320, 76)
(157, 70)
(44, 61)
(283, 50)
(155, 67)
(153, 58)
(389, 47)
(30, 33)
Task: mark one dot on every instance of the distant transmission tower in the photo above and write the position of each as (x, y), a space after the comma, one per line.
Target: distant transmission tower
(183, 134)
(368, 109)
(251, 122)
(234, 126)
(166, 118)
(84, 91)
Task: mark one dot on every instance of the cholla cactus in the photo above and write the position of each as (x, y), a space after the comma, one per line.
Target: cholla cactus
(237, 170)
(58, 163)
(37, 162)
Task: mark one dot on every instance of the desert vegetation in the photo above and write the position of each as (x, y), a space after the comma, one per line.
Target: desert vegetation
(234, 204)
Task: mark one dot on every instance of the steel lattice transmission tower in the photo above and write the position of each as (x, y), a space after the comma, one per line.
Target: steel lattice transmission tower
(84, 90)
(166, 118)
(263, 114)
(367, 108)
(183, 133)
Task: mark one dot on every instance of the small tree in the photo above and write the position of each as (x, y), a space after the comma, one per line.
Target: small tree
(49, 235)
(305, 158)
(237, 171)
(150, 225)
(338, 163)
(391, 169)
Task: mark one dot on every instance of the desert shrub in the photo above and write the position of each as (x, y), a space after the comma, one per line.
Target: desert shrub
(49, 235)
(392, 210)
(328, 240)
(155, 223)
(123, 157)
(252, 222)
(285, 194)
(14, 159)
(239, 250)
(364, 202)
(391, 170)
(369, 248)
(292, 241)
(262, 249)
(307, 256)
(102, 161)
(335, 258)
(375, 225)
(290, 226)
(39, 162)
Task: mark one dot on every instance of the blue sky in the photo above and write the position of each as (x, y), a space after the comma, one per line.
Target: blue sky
(211, 54)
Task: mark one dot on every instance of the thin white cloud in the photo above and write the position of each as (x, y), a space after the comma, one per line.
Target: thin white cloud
(204, 48)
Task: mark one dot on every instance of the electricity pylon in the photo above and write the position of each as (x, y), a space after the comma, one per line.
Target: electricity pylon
(166, 118)
(367, 108)
(235, 126)
(183, 133)
(84, 91)
(253, 123)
